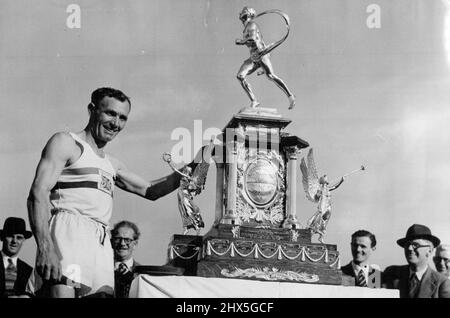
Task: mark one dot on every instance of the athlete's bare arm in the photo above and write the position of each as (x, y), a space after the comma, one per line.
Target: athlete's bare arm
(59, 151)
(151, 190)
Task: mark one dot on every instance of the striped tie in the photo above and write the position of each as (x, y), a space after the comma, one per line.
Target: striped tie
(123, 268)
(361, 279)
(123, 279)
(10, 277)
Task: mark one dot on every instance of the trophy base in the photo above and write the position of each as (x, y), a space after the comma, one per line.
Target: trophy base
(259, 112)
(283, 255)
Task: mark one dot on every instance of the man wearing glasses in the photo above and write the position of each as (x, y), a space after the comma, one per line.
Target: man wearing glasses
(442, 259)
(417, 279)
(125, 236)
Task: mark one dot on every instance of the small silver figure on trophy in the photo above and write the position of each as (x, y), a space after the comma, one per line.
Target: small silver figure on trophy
(191, 184)
(318, 191)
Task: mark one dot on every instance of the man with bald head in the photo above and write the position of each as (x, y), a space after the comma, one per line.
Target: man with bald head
(442, 259)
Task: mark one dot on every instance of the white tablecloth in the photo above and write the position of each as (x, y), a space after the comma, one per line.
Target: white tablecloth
(146, 286)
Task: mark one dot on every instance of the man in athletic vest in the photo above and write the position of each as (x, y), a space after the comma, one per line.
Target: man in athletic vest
(75, 180)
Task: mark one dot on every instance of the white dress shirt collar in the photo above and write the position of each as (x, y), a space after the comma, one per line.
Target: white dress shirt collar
(5, 260)
(357, 268)
(419, 274)
(129, 262)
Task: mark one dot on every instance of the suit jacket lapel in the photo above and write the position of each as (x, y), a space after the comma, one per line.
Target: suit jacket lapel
(2, 277)
(403, 281)
(348, 270)
(20, 275)
(427, 285)
(134, 267)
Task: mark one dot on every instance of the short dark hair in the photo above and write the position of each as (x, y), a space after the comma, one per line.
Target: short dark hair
(100, 93)
(128, 224)
(362, 233)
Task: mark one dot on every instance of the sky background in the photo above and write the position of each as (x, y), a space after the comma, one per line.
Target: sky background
(378, 97)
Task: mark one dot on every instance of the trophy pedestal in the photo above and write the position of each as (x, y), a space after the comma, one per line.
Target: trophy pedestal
(268, 254)
(185, 252)
(279, 254)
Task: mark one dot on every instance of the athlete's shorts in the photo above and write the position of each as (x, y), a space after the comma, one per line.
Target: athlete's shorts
(84, 248)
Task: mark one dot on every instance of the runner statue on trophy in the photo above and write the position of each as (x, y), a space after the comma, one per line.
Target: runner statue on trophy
(259, 54)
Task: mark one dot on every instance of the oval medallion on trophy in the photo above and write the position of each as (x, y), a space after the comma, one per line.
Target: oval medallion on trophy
(261, 182)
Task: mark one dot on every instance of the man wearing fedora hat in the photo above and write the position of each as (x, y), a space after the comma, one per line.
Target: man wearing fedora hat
(417, 279)
(14, 273)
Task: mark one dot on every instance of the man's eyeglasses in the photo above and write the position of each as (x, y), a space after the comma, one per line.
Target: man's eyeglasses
(440, 259)
(415, 245)
(126, 240)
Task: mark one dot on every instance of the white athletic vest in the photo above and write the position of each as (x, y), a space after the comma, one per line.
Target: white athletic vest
(86, 186)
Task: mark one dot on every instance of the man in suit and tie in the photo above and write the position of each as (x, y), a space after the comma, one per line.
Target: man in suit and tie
(14, 273)
(125, 236)
(417, 279)
(359, 271)
(442, 259)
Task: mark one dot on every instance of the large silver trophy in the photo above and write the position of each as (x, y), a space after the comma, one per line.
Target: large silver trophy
(257, 231)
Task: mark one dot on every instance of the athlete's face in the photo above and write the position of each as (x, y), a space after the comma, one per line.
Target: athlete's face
(244, 17)
(123, 243)
(108, 118)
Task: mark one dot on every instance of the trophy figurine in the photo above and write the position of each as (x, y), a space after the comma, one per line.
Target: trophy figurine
(259, 54)
(318, 191)
(191, 184)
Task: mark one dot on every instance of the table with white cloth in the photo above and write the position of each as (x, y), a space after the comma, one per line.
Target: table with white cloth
(148, 286)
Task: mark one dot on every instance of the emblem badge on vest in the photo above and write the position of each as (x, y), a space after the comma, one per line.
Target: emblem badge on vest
(106, 184)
